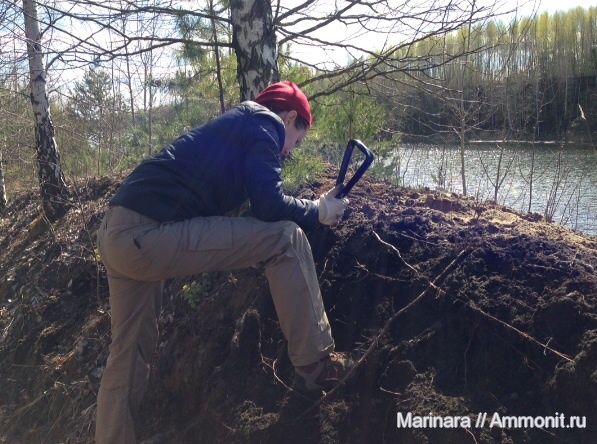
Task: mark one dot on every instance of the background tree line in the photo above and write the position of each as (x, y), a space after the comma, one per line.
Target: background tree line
(125, 78)
(527, 79)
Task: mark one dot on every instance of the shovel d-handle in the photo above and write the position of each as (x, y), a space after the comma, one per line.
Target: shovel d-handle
(346, 161)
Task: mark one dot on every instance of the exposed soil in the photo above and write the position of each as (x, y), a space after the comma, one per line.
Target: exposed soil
(511, 328)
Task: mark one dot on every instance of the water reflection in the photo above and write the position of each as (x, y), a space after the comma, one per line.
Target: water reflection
(556, 181)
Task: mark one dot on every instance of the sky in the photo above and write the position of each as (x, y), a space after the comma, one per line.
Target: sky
(552, 6)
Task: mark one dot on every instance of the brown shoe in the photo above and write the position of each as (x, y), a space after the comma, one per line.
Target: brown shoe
(325, 375)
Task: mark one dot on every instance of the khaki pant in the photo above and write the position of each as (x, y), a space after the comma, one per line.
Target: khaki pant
(140, 253)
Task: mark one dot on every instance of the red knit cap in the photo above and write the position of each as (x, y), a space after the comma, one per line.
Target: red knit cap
(288, 97)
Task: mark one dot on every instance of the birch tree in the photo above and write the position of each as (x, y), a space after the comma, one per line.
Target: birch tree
(254, 40)
(3, 198)
(51, 177)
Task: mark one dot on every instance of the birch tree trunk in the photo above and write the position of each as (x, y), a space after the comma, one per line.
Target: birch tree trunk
(3, 198)
(51, 178)
(254, 41)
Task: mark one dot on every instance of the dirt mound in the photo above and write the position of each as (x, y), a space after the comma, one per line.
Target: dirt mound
(479, 323)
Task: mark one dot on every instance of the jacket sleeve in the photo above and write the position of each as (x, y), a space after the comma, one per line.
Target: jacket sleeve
(263, 182)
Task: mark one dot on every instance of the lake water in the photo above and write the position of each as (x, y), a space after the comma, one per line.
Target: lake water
(564, 179)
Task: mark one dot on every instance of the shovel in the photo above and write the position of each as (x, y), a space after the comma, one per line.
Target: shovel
(346, 161)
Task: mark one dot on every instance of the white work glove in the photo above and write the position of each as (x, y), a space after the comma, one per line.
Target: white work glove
(331, 209)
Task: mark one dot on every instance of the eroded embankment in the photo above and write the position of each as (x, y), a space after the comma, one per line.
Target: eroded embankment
(510, 329)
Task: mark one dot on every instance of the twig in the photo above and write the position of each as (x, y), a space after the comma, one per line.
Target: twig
(468, 346)
(417, 239)
(389, 391)
(272, 367)
(432, 285)
(472, 435)
(521, 333)
(395, 250)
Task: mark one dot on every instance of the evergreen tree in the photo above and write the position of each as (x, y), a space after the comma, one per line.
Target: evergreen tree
(99, 111)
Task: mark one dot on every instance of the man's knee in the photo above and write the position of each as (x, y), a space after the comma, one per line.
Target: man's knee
(291, 228)
(294, 235)
(292, 242)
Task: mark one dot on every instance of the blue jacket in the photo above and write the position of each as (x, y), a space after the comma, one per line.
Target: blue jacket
(214, 169)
